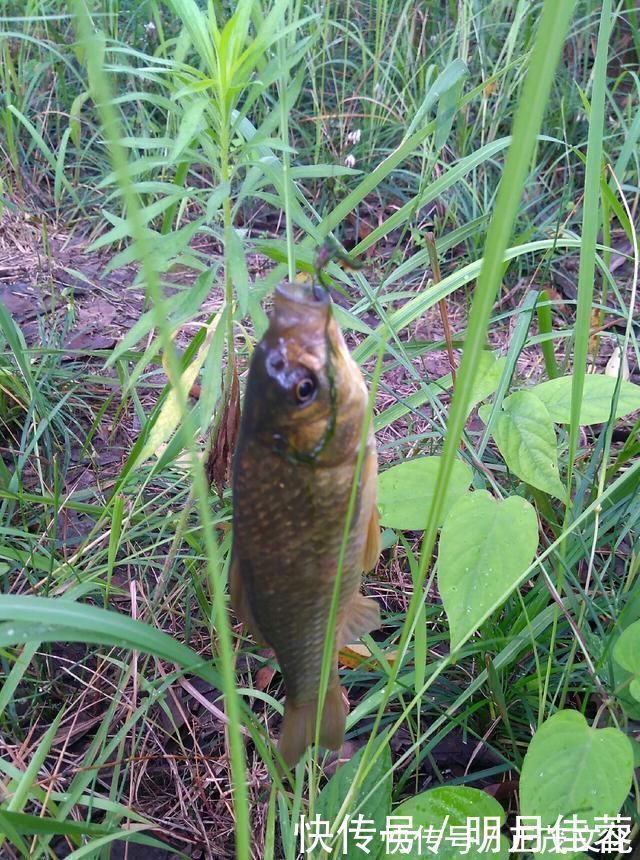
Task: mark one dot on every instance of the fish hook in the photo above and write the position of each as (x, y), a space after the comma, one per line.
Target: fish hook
(327, 252)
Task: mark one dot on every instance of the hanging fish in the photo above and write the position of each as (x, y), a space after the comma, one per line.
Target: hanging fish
(295, 462)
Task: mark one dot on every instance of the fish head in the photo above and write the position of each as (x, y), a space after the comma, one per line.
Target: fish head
(305, 396)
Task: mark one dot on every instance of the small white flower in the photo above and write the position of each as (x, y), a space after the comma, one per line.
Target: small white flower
(354, 136)
(150, 28)
(350, 161)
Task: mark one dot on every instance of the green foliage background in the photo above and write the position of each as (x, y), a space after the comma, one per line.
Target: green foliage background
(226, 141)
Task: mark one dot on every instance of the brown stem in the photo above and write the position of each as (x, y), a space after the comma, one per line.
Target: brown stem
(430, 241)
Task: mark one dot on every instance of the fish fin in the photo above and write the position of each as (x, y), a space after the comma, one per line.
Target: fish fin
(299, 725)
(240, 603)
(369, 481)
(361, 615)
(372, 544)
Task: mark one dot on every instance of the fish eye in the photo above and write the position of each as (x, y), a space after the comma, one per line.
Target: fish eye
(305, 389)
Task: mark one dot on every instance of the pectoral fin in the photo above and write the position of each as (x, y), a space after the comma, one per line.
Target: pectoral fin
(361, 615)
(369, 482)
(240, 603)
(372, 545)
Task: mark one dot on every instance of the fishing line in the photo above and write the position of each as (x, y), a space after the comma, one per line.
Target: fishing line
(330, 250)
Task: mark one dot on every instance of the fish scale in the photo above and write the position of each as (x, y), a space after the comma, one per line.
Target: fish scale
(286, 550)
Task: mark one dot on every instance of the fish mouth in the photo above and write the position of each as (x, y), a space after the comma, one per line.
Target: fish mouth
(312, 295)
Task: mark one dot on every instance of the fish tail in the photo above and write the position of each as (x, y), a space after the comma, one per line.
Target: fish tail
(299, 725)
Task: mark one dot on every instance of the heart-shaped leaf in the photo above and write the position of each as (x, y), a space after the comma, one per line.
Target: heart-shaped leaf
(485, 547)
(446, 814)
(597, 398)
(626, 652)
(525, 435)
(487, 378)
(615, 675)
(406, 491)
(573, 769)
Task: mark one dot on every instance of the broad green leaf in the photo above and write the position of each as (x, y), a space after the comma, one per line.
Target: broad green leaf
(485, 547)
(597, 398)
(440, 809)
(378, 780)
(626, 652)
(405, 491)
(525, 435)
(618, 677)
(573, 769)
(487, 378)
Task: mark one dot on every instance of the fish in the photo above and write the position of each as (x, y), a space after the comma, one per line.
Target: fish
(302, 421)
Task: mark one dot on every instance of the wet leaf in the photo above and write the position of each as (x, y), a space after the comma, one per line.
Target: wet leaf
(440, 809)
(485, 547)
(597, 398)
(487, 378)
(626, 653)
(406, 491)
(573, 769)
(526, 437)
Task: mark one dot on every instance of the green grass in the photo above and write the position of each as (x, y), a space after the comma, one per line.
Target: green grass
(210, 148)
